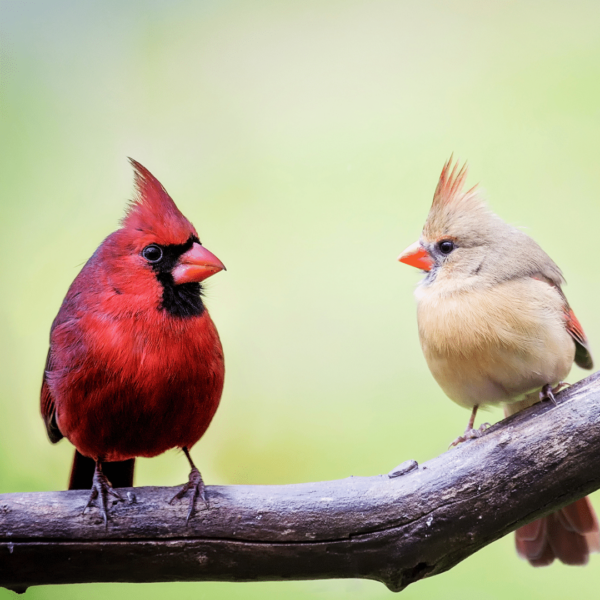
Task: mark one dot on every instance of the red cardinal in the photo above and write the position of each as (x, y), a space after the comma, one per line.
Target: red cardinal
(135, 365)
(496, 328)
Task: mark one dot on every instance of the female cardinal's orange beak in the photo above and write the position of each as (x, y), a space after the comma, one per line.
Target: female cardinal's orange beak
(416, 256)
(197, 264)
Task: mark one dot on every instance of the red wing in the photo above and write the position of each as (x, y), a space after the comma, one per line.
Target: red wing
(47, 405)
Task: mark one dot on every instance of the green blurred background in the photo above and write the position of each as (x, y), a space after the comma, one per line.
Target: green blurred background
(304, 139)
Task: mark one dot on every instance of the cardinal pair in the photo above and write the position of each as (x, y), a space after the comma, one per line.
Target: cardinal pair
(135, 365)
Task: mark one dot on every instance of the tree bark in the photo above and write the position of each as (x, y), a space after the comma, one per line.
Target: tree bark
(416, 522)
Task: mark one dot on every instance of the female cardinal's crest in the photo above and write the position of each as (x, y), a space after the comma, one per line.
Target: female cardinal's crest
(450, 201)
(451, 183)
(154, 212)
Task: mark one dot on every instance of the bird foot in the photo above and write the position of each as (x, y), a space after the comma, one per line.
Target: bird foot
(196, 484)
(470, 434)
(547, 392)
(101, 488)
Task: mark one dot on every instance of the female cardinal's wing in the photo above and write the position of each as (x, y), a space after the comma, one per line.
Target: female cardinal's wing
(583, 356)
(47, 404)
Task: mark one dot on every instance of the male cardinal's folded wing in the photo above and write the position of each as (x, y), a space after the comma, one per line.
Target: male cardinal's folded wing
(47, 405)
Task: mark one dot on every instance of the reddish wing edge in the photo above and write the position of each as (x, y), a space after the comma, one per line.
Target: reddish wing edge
(583, 354)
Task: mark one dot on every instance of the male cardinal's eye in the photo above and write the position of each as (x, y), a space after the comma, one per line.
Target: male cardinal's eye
(446, 246)
(152, 253)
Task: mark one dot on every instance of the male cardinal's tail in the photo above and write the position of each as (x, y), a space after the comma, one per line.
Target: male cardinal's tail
(569, 534)
(120, 474)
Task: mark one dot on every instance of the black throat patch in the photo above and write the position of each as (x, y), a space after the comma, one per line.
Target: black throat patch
(183, 300)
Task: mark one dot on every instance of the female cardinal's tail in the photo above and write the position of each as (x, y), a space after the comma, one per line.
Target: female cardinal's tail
(120, 474)
(569, 534)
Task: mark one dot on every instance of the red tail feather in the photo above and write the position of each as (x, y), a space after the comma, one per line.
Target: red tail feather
(569, 535)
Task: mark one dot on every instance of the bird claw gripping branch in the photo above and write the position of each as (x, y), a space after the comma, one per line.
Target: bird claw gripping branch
(101, 487)
(196, 484)
(470, 434)
(547, 392)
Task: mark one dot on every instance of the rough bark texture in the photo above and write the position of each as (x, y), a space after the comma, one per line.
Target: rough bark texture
(394, 529)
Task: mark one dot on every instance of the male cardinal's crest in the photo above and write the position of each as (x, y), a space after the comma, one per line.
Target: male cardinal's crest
(153, 211)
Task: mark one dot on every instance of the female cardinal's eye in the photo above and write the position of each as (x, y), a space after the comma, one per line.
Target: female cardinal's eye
(446, 246)
(152, 253)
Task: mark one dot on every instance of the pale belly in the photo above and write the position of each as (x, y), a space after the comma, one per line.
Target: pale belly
(501, 378)
(491, 347)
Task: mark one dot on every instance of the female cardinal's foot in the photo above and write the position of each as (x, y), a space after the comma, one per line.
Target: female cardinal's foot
(547, 392)
(101, 487)
(196, 484)
(469, 434)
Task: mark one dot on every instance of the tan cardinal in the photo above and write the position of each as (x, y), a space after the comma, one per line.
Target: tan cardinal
(496, 328)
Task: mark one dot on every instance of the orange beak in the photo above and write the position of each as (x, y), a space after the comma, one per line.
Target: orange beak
(197, 264)
(416, 256)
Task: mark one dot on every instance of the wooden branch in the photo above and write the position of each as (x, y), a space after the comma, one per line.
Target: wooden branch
(396, 530)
